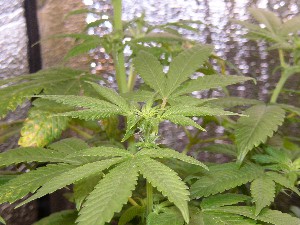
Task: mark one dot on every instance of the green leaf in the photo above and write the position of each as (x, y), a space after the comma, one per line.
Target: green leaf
(226, 149)
(41, 128)
(50, 81)
(169, 216)
(283, 181)
(263, 192)
(290, 26)
(83, 187)
(2, 220)
(251, 131)
(216, 218)
(268, 18)
(209, 82)
(167, 182)
(92, 114)
(31, 154)
(169, 153)
(227, 176)
(222, 200)
(110, 95)
(29, 182)
(185, 64)
(5, 178)
(109, 195)
(132, 121)
(229, 102)
(93, 42)
(131, 213)
(80, 101)
(183, 121)
(72, 176)
(66, 217)
(267, 215)
(189, 100)
(101, 151)
(68, 145)
(291, 108)
(150, 69)
(197, 111)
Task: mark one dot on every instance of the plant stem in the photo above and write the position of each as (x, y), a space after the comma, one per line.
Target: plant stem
(149, 189)
(131, 78)
(118, 55)
(80, 132)
(131, 200)
(282, 79)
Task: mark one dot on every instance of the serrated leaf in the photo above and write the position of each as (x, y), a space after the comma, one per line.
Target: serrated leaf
(267, 215)
(72, 176)
(169, 153)
(268, 18)
(183, 121)
(29, 182)
(185, 64)
(102, 151)
(92, 114)
(169, 216)
(227, 176)
(229, 102)
(209, 82)
(217, 218)
(68, 145)
(222, 200)
(66, 217)
(221, 148)
(166, 181)
(31, 154)
(263, 192)
(111, 96)
(50, 81)
(41, 128)
(131, 213)
(189, 100)
(283, 181)
(84, 47)
(251, 131)
(291, 108)
(80, 101)
(132, 121)
(150, 69)
(109, 195)
(83, 187)
(5, 178)
(197, 111)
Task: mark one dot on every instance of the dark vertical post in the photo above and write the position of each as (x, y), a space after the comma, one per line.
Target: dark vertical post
(34, 51)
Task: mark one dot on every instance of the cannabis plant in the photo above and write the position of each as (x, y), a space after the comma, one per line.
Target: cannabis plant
(133, 178)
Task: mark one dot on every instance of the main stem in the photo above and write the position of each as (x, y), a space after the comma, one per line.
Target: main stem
(282, 79)
(118, 55)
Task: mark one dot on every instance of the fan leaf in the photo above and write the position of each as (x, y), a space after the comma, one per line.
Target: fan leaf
(167, 182)
(66, 217)
(109, 195)
(251, 131)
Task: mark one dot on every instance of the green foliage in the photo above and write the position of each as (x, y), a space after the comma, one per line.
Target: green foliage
(109, 195)
(41, 128)
(266, 215)
(167, 182)
(169, 216)
(51, 81)
(220, 200)
(66, 217)
(131, 213)
(227, 176)
(251, 131)
(263, 192)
